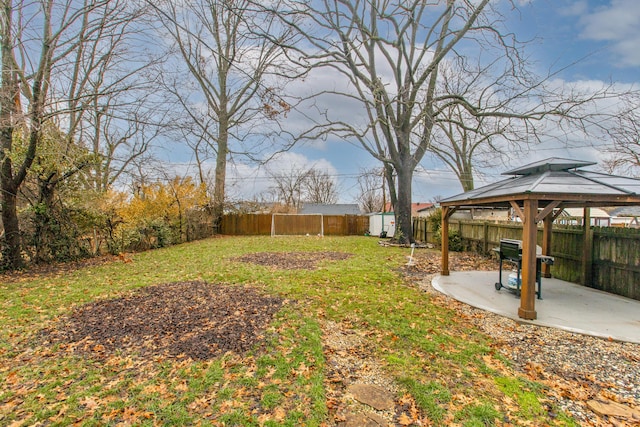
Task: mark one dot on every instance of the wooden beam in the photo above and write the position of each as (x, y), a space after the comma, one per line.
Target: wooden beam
(450, 211)
(556, 214)
(518, 211)
(547, 210)
(444, 244)
(529, 233)
(587, 248)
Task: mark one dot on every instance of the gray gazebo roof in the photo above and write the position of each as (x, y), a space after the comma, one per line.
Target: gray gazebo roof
(554, 179)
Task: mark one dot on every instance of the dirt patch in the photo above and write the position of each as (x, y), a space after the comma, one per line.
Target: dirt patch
(293, 260)
(186, 319)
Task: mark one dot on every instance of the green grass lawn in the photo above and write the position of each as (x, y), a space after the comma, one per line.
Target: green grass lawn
(447, 367)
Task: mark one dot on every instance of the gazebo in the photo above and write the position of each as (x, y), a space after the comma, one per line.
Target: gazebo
(538, 192)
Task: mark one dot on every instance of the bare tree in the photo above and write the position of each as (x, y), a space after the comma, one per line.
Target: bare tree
(624, 155)
(371, 195)
(298, 185)
(392, 52)
(64, 65)
(233, 89)
(462, 140)
(319, 187)
(288, 186)
(108, 102)
(119, 129)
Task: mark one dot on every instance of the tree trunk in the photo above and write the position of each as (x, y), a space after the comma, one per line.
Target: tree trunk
(466, 176)
(9, 96)
(12, 247)
(391, 185)
(44, 217)
(402, 209)
(220, 176)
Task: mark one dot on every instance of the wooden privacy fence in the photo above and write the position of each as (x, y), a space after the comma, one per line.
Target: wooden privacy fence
(246, 224)
(260, 224)
(615, 252)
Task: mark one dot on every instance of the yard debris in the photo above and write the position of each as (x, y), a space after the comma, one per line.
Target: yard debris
(614, 409)
(404, 245)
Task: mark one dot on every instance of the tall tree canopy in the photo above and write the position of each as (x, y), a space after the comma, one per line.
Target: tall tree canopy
(392, 54)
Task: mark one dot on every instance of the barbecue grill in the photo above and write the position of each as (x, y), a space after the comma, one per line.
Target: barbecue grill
(511, 252)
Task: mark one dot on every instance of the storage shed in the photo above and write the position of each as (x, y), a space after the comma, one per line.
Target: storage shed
(382, 222)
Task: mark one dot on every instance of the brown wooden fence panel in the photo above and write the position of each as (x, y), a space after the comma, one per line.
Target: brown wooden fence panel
(357, 225)
(334, 225)
(246, 224)
(566, 248)
(421, 232)
(296, 225)
(616, 261)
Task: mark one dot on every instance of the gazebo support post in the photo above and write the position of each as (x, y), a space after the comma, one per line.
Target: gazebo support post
(529, 235)
(587, 257)
(444, 241)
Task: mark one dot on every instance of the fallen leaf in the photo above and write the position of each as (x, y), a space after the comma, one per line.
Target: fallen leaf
(89, 403)
(405, 420)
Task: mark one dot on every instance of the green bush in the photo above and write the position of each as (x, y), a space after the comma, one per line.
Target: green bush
(455, 241)
(435, 223)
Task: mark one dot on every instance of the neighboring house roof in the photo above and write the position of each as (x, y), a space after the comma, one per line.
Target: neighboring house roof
(415, 207)
(336, 209)
(625, 211)
(579, 213)
(421, 207)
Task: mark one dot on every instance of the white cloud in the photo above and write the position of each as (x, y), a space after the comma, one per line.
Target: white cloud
(577, 8)
(618, 24)
(290, 161)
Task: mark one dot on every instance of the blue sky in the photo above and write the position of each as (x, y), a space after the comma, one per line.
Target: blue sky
(601, 37)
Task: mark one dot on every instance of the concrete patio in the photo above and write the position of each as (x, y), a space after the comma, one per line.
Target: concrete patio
(564, 305)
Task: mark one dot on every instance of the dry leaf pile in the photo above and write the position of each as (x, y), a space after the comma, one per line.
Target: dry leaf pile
(185, 319)
(293, 260)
